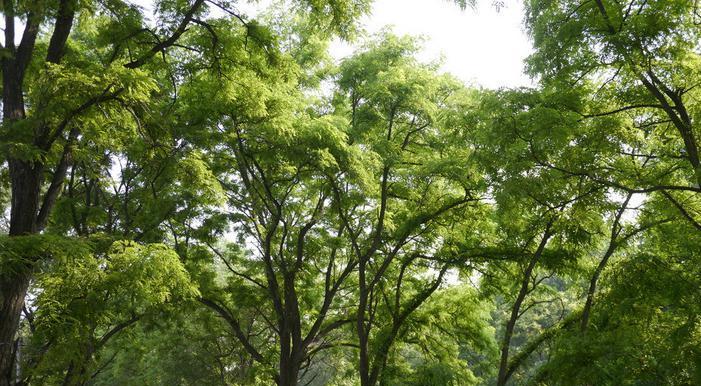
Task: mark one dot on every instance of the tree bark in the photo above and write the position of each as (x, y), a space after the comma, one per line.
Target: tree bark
(13, 290)
(25, 179)
(592, 286)
(516, 308)
(364, 362)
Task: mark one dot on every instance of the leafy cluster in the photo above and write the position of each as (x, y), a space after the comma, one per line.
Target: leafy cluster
(198, 197)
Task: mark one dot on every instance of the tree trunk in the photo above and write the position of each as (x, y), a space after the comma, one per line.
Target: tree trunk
(364, 361)
(26, 179)
(289, 372)
(290, 327)
(14, 289)
(13, 285)
(592, 286)
(504, 374)
(290, 361)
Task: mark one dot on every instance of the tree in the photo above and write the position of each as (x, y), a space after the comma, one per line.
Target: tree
(40, 141)
(641, 327)
(637, 61)
(420, 184)
(58, 82)
(88, 299)
(209, 199)
(445, 341)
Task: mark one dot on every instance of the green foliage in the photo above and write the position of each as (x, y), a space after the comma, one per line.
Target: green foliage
(235, 208)
(20, 253)
(446, 341)
(86, 298)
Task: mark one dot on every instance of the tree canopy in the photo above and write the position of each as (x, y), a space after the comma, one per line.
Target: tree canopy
(202, 197)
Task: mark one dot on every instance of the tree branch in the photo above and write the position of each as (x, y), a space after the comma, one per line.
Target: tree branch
(62, 28)
(182, 27)
(235, 326)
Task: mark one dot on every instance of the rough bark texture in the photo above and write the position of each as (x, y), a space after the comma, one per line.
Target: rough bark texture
(26, 179)
(13, 293)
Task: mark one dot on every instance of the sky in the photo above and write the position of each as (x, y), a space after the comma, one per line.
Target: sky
(481, 46)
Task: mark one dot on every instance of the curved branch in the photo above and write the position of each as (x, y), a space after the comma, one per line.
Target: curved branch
(182, 27)
(235, 326)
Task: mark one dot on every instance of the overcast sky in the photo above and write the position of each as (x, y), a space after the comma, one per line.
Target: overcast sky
(482, 46)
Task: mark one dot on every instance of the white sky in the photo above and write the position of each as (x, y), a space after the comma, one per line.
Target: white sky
(481, 46)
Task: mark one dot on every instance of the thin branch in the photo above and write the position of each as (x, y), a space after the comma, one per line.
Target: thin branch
(682, 210)
(182, 27)
(235, 326)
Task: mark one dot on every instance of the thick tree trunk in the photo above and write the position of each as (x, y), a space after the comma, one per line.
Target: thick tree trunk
(14, 289)
(290, 359)
(26, 179)
(291, 342)
(26, 184)
(289, 372)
